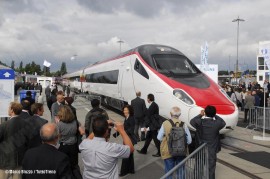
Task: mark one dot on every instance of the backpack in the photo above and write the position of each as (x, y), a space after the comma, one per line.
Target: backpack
(177, 142)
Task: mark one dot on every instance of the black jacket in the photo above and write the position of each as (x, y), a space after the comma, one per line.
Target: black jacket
(24, 115)
(139, 107)
(46, 157)
(35, 122)
(151, 114)
(129, 126)
(209, 130)
(13, 142)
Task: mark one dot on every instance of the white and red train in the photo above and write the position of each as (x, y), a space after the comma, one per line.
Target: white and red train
(161, 70)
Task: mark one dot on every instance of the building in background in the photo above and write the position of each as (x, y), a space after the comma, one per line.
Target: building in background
(263, 72)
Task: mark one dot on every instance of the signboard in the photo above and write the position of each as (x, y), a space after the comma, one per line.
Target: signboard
(7, 77)
(211, 71)
(264, 50)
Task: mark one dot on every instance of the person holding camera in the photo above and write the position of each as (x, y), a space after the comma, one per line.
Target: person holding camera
(99, 156)
(129, 125)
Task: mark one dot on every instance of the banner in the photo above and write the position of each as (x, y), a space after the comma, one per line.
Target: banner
(204, 56)
(264, 50)
(46, 63)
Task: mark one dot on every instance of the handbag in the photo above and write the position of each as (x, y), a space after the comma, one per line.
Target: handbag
(238, 103)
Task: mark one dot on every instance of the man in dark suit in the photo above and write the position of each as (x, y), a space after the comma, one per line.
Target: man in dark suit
(13, 140)
(25, 114)
(152, 111)
(47, 158)
(208, 125)
(139, 107)
(36, 122)
(29, 98)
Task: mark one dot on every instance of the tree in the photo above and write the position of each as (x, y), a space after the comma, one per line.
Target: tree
(223, 73)
(21, 67)
(46, 71)
(28, 69)
(63, 69)
(12, 66)
(2, 63)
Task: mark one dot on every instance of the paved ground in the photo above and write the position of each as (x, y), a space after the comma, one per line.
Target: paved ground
(148, 167)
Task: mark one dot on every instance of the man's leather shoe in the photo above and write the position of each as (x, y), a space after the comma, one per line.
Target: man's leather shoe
(156, 155)
(139, 151)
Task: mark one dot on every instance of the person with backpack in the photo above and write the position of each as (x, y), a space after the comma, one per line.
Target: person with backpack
(91, 114)
(208, 125)
(174, 136)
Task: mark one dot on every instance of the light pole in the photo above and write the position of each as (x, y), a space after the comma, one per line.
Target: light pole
(229, 64)
(120, 42)
(238, 20)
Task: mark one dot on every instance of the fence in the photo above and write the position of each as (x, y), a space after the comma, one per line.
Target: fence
(194, 166)
(256, 118)
(87, 96)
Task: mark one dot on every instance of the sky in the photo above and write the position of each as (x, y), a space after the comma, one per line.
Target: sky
(34, 30)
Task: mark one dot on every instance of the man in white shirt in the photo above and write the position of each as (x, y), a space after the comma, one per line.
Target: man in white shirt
(100, 157)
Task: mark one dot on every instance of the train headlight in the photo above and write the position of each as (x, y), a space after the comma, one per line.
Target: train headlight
(183, 96)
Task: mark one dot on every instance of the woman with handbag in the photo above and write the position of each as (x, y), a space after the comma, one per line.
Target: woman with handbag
(129, 125)
(68, 129)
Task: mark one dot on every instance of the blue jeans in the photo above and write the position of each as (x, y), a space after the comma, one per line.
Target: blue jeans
(172, 162)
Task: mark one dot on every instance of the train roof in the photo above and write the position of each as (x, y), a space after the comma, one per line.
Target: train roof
(76, 73)
(143, 49)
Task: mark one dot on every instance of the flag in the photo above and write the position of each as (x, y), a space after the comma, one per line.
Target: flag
(206, 53)
(204, 57)
(46, 63)
(265, 52)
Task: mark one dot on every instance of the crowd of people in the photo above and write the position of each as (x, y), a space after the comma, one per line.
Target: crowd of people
(249, 96)
(28, 86)
(49, 148)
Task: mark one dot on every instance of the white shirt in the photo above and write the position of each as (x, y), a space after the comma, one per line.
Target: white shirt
(100, 158)
(161, 134)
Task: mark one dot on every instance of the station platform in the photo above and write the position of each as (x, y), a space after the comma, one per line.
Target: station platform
(233, 162)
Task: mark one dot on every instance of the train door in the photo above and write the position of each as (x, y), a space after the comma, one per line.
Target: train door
(126, 87)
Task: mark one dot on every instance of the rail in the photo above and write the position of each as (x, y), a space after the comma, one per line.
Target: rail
(194, 166)
(256, 118)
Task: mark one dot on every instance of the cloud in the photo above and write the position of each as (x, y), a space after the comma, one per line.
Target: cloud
(56, 30)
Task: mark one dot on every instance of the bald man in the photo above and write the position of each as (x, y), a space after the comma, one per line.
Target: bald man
(46, 157)
(56, 106)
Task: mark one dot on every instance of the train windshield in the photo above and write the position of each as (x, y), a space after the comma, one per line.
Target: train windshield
(173, 64)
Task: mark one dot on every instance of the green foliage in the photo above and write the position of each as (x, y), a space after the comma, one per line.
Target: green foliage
(12, 66)
(2, 63)
(223, 73)
(63, 69)
(32, 68)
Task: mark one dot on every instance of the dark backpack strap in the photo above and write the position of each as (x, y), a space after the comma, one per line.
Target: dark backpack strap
(172, 123)
(181, 124)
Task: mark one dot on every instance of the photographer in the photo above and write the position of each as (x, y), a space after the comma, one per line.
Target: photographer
(105, 154)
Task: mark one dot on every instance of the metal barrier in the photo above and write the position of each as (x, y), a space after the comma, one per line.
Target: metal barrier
(256, 117)
(194, 166)
(87, 96)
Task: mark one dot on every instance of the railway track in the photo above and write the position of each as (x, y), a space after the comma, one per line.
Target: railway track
(234, 167)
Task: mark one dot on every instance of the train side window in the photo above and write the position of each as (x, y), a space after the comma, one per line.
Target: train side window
(140, 69)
